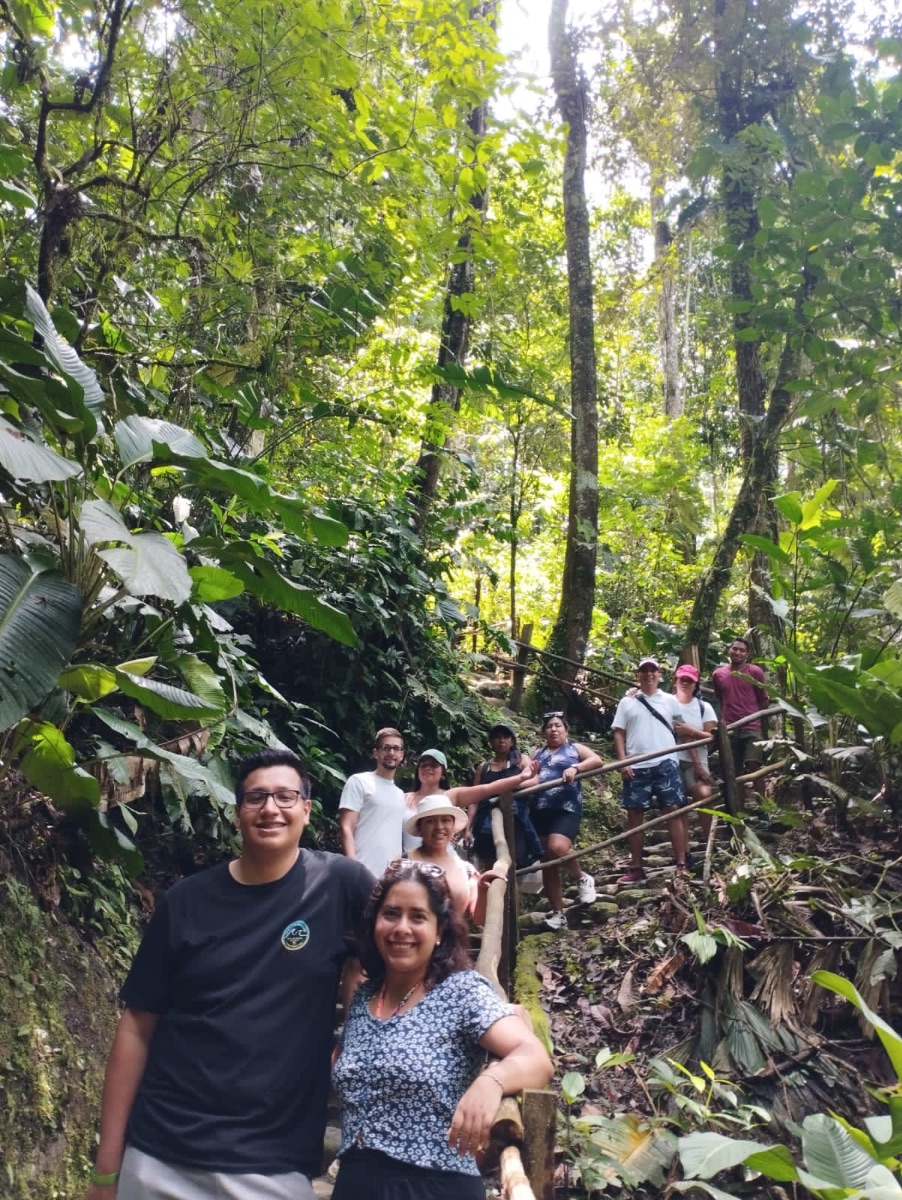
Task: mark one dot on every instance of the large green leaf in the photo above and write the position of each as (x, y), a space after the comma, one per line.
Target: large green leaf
(703, 1155)
(214, 583)
(30, 461)
(48, 761)
(188, 768)
(203, 681)
(831, 1154)
(135, 437)
(175, 704)
(641, 1150)
(148, 565)
(892, 1042)
(40, 619)
(265, 582)
(89, 681)
(90, 403)
(294, 513)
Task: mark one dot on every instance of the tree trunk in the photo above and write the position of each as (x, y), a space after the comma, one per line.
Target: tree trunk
(756, 482)
(574, 620)
(667, 331)
(444, 403)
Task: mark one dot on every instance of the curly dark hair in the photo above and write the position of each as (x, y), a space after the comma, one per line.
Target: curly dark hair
(450, 954)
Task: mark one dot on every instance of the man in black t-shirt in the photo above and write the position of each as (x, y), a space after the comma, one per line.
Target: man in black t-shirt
(218, 1076)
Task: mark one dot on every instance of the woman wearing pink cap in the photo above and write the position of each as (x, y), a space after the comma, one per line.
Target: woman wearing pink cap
(699, 713)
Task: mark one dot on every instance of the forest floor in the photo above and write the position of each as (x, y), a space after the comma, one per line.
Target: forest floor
(655, 979)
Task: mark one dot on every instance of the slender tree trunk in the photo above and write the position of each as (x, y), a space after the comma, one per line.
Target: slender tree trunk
(757, 479)
(454, 341)
(574, 620)
(667, 330)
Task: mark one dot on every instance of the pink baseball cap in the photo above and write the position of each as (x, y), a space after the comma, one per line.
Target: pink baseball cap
(688, 671)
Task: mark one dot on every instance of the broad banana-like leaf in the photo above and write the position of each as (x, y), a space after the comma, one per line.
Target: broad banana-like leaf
(265, 582)
(642, 1149)
(48, 762)
(214, 583)
(40, 618)
(832, 1155)
(89, 681)
(203, 681)
(294, 513)
(31, 461)
(188, 768)
(704, 1155)
(136, 435)
(91, 401)
(148, 565)
(175, 704)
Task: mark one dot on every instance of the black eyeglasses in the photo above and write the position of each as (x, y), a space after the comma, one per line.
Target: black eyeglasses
(284, 797)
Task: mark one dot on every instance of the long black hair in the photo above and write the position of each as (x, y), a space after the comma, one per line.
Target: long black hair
(450, 954)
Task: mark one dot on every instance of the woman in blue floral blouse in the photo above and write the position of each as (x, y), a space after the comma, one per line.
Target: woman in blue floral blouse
(417, 1097)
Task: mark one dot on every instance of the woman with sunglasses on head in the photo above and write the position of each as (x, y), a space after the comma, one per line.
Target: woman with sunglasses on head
(416, 1096)
(439, 817)
(557, 811)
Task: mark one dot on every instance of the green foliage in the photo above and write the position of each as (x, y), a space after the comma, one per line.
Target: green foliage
(838, 1159)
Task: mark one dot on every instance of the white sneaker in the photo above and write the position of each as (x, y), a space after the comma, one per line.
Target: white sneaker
(556, 920)
(585, 888)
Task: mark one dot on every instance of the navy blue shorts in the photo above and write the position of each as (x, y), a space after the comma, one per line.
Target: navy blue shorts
(661, 784)
(556, 820)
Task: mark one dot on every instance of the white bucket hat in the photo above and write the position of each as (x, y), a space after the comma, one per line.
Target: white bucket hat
(435, 806)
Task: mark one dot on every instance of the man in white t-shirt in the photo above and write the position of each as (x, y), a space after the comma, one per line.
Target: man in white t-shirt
(643, 722)
(371, 810)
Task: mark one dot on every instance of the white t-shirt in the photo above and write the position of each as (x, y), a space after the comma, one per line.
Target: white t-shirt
(381, 810)
(697, 718)
(645, 732)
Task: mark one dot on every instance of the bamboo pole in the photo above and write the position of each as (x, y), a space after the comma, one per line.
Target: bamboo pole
(507, 1127)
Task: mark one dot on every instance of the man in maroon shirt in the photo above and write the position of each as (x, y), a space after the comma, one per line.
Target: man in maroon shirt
(739, 686)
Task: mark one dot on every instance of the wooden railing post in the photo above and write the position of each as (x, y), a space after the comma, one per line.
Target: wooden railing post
(509, 944)
(518, 680)
(727, 769)
(539, 1129)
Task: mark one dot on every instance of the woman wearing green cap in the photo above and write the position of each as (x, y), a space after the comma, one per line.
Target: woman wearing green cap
(431, 800)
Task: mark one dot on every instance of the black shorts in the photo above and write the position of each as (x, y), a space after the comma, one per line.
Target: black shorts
(369, 1175)
(556, 820)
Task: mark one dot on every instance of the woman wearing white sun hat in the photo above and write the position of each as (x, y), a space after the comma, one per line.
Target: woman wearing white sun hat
(440, 816)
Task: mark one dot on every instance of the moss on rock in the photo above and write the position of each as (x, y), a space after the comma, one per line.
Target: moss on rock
(57, 1014)
(528, 985)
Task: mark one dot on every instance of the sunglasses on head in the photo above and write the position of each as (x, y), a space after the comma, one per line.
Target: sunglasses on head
(558, 712)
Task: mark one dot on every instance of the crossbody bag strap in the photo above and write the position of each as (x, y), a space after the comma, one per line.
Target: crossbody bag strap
(657, 716)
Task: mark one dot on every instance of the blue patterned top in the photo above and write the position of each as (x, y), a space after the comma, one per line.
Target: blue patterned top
(568, 797)
(399, 1081)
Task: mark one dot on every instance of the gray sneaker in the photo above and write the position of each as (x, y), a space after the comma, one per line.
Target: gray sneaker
(585, 888)
(556, 920)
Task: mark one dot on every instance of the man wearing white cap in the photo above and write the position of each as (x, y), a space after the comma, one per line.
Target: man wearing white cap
(644, 722)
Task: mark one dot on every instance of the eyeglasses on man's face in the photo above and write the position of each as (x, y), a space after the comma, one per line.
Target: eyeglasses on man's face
(284, 797)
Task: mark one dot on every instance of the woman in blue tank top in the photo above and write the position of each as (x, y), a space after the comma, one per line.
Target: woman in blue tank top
(557, 811)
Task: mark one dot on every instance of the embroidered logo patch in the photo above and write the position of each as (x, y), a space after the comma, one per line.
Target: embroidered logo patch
(296, 935)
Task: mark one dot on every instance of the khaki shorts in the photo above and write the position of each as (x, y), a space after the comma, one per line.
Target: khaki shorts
(143, 1177)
